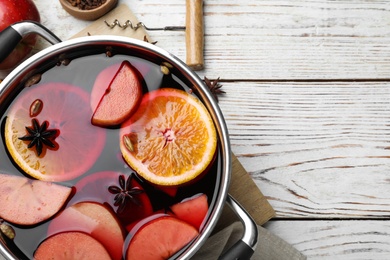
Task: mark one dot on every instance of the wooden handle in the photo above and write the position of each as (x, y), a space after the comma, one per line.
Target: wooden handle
(194, 34)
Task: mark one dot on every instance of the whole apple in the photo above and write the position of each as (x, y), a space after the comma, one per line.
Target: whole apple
(12, 11)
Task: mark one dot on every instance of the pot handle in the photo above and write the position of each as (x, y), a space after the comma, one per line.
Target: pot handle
(245, 247)
(11, 36)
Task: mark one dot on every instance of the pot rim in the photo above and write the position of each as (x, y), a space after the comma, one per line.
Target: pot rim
(23, 70)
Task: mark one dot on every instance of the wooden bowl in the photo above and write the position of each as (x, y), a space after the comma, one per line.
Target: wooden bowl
(89, 15)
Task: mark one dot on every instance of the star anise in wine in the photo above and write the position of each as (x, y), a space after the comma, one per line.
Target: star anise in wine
(39, 136)
(214, 86)
(124, 193)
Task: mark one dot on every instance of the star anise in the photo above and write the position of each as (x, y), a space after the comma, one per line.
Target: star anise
(39, 136)
(124, 193)
(214, 86)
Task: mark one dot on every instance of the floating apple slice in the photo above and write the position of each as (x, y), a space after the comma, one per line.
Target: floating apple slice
(25, 201)
(71, 245)
(159, 238)
(115, 102)
(94, 219)
(102, 83)
(192, 210)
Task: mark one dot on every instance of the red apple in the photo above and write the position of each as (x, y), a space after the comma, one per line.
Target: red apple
(12, 11)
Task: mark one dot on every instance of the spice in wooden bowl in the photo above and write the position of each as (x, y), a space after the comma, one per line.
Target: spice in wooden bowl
(88, 9)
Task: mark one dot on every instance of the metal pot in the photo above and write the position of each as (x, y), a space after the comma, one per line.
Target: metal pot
(11, 85)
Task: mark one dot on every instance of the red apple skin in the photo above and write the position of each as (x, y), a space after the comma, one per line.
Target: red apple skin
(12, 11)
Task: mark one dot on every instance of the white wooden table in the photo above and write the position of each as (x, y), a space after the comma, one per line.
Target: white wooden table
(307, 106)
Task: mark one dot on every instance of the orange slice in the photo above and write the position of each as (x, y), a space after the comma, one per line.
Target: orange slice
(171, 138)
(66, 109)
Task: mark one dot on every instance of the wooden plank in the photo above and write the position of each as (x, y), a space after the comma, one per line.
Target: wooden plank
(268, 39)
(316, 150)
(284, 39)
(336, 239)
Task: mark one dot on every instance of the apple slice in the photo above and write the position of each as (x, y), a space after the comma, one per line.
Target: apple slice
(119, 99)
(24, 201)
(71, 245)
(159, 238)
(192, 210)
(94, 219)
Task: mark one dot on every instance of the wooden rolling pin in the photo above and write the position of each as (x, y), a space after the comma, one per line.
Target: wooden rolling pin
(194, 34)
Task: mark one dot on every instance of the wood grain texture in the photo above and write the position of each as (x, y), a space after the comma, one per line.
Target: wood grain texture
(257, 40)
(284, 39)
(329, 240)
(316, 150)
